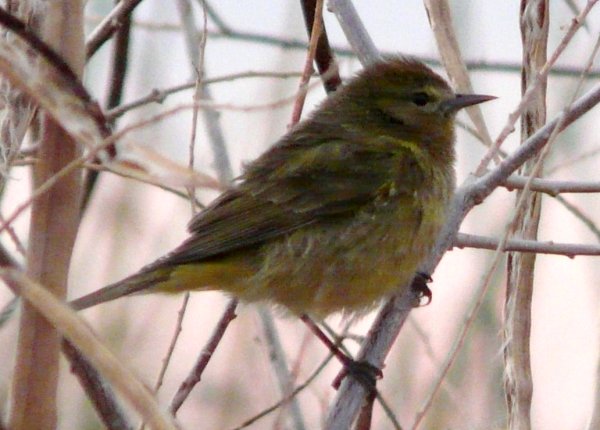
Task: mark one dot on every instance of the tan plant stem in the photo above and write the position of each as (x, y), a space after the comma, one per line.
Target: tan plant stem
(518, 381)
(53, 228)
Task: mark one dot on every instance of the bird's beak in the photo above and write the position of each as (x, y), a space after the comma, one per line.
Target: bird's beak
(460, 101)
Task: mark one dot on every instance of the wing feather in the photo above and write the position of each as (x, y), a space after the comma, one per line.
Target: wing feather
(293, 185)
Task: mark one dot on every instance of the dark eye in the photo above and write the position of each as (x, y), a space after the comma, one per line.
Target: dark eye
(420, 98)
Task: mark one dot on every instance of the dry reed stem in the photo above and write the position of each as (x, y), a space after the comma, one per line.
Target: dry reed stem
(518, 382)
(73, 328)
(53, 228)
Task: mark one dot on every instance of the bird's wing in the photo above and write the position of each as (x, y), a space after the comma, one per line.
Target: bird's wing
(291, 186)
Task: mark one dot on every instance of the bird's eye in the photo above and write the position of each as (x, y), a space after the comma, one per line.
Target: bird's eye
(420, 98)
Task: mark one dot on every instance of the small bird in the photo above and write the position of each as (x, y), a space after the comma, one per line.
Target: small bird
(338, 214)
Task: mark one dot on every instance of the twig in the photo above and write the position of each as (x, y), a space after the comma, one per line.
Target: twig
(109, 25)
(159, 96)
(572, 161)
(54, 219)
(8, 310)
(586, 220)
(315, 37)
(216, 18)
(169, 354)
(323, 55)
(569, 250)
(300, 44)
(286, 399)
(14, 238)
(354, 30)
(98, 392)
(173, 343)
(119, 63)
(196, 373)
(196, 53)
(552, 186)
(440, 20)
(277, 358)
(479, 188)
(212, 116)
(136, 175)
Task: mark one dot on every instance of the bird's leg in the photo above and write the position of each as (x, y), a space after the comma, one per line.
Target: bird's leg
(420, 288)
(364, 372)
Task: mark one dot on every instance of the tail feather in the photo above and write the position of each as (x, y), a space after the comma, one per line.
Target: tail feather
(133, 284)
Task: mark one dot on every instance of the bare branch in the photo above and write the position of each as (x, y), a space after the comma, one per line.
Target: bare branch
(109, 25)
(569, 250)
(196, 374)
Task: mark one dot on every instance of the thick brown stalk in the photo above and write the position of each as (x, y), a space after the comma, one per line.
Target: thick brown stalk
(53, 227)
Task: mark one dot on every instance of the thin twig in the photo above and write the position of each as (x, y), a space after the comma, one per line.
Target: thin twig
(139, 176)
(300, 44)
(578, 213)
(171, 349)
(119, 64)
(176, 332)
(159, 96)
(278, 361)
(584, 156)
(14, 238)
(440, 20)
(196, 373)
(324, 58)
(315, 35)
(286, 399)
(109, 25)
(212, 117)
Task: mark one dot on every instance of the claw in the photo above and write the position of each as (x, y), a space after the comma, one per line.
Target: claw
(420, 288)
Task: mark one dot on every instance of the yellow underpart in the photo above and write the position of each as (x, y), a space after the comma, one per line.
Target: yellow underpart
(228, 274)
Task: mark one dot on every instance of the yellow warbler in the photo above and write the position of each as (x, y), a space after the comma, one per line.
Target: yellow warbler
(337, 214)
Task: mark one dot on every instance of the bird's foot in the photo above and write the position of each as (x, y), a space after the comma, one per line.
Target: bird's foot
(364, 372)
(420, 288)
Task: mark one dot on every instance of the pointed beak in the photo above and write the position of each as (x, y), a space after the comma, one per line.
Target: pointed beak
(463, 100)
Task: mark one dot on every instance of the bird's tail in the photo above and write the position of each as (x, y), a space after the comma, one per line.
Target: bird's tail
(135, 283)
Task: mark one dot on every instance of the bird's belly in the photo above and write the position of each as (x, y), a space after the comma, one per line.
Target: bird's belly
(348, 267)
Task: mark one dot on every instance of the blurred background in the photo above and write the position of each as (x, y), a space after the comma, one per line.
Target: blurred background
(129, 224)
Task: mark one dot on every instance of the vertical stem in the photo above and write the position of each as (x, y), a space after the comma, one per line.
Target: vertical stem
(354, 30)
(280, 367)
(324, 58)
(53, 227)
(520, 267)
